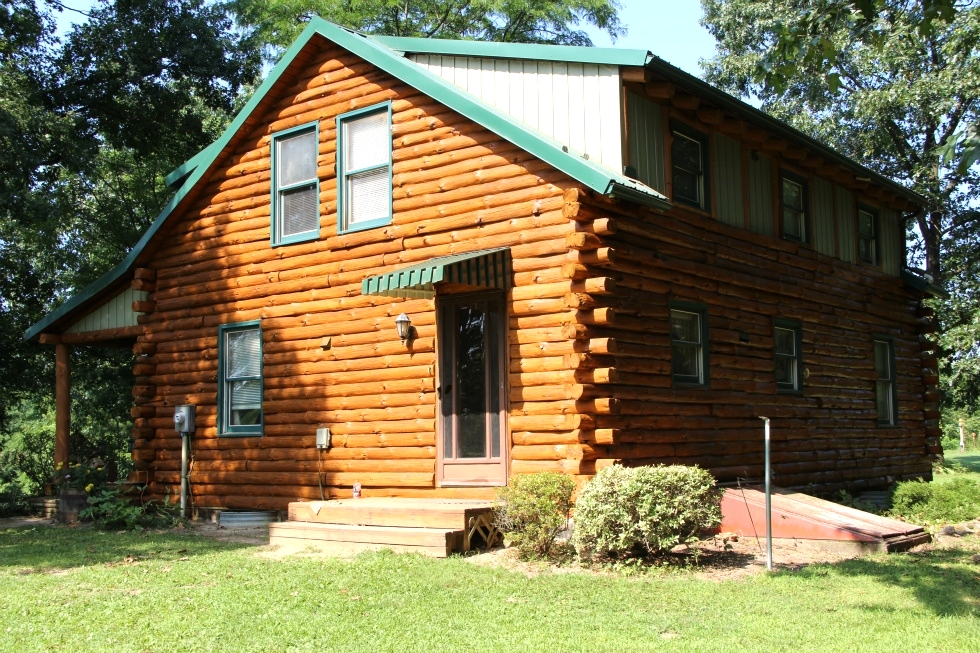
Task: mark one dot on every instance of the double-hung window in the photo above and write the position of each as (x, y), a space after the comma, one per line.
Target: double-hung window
(688, 344)
(794, 201)
(364, 168)
(295, 186)
(867, 236)
(885, 381)
(689, 163)
(240, 382)
(787, 338)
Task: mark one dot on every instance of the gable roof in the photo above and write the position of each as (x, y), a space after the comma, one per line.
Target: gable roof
(596, 177)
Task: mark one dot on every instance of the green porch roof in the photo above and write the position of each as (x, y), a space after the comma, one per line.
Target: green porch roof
(485, 268)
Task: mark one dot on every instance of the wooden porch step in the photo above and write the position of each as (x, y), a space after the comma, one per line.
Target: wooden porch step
(380, 511)
(347, 539)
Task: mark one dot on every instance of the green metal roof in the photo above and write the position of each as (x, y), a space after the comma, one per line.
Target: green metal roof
(596, 177)
(569, 53)
(485, 268)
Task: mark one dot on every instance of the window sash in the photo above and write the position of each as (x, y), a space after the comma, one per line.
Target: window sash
(687, 346)
(693, 149)
(884, 363)
(290, 228)
(794, 209)
(241, 384)
(786, 357)
(867, 236)
(365, 189)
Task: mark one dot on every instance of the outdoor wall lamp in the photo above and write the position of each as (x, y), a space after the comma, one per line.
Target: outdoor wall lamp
(404, 326)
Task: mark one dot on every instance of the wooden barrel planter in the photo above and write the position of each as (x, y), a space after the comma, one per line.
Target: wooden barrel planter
(70, 503)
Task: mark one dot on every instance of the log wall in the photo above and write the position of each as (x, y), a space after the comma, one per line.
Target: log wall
(589, 349)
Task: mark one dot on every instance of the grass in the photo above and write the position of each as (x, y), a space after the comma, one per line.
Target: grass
(78, 589)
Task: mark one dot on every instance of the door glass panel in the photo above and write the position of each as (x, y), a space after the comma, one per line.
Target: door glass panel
(493, 338)
(446, 382)
(471, 381)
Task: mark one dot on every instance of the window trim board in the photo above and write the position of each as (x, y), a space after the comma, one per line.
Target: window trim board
(341, 176)
(225, 430)
(277, 240)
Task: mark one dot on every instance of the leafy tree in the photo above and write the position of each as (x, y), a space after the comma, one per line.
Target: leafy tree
(893, 87)
(277, 22)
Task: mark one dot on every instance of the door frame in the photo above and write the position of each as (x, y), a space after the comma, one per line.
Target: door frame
(503, 357)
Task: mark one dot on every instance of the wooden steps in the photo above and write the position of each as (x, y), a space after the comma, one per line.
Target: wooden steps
(436, 527)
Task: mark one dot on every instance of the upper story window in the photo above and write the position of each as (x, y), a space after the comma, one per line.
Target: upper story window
(364, 168)
(689, 161)
(295, 186)
(787, 337)
(885, 382)
(794, 202)
(688, 344)
(240, 382)
(867, 236)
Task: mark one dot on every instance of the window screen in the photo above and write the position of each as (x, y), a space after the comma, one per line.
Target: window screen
(365, 169)
(241, 379)
(794, 209)
(689, 157)
(787, 357)
(296, 214)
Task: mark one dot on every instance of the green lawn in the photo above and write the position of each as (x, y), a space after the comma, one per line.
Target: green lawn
(77, 589)
(969, 459)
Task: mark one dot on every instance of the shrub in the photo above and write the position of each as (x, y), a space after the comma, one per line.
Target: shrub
(637, 511)
(110, 508)
(533, 510)
(953, 500)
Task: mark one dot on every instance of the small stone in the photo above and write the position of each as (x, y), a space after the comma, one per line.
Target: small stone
(681, 548)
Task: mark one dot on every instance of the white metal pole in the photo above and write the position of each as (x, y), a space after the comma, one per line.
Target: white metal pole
(962, 434)
(768, 501)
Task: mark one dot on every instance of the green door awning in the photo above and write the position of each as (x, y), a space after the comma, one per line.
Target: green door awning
(486, 268)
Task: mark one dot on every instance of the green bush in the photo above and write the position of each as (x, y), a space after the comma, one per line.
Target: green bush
(110, 508)
(533, 510)
(953, 500)
(638, 511)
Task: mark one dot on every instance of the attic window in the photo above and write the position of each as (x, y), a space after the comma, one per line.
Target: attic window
(689, 157)
(794, 202)
(364, 166)
(295, 186)
(867, 236)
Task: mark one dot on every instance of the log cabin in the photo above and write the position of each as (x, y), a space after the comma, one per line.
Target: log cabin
(472, 260)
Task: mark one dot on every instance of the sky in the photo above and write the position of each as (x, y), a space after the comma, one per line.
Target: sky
(668, 29)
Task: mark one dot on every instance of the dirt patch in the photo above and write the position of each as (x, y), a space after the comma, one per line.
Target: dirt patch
(258, 535)
(21, 522)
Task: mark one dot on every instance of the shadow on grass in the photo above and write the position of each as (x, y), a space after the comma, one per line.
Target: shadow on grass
(941, 580)
(970, 460)
(45, 548)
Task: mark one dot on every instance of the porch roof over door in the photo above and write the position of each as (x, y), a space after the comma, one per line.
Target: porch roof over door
(485, 268)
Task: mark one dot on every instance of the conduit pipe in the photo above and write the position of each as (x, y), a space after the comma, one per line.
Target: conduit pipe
(768, 499)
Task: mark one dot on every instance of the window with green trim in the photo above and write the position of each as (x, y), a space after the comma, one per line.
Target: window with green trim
(295, 186)
(793, 200)
(868, 235)
(240, 383)
(364, 168)
(885, 397)
(689, 344)
(689, 163)
(787, 341)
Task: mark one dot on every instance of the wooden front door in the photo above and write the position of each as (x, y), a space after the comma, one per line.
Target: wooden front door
(471, 390)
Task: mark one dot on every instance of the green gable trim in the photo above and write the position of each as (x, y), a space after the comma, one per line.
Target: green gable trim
(487, 268)
(592, 175)
(569, 53)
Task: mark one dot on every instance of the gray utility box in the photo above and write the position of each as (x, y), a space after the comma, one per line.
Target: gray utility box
(184, 418)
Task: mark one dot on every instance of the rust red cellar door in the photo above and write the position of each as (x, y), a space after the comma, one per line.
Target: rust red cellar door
(472, 351)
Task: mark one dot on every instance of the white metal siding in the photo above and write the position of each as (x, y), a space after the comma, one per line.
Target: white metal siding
(576, 104)
(115, 313)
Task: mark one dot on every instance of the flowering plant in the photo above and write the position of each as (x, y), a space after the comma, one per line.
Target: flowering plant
(85, 477)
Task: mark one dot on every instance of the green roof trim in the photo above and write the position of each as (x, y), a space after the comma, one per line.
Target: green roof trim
(598, 178)
(568, 53)
(922, 283)
(487, 268)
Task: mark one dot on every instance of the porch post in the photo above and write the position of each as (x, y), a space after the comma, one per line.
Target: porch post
(62, 394)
